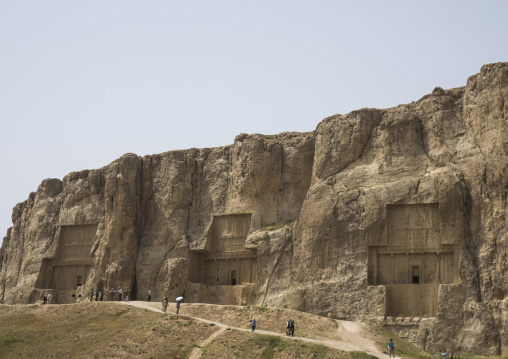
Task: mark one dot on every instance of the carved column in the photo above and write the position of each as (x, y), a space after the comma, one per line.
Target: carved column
(391, 279)
(409, 279)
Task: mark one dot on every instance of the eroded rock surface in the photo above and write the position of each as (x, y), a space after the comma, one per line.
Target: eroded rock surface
(395, 217)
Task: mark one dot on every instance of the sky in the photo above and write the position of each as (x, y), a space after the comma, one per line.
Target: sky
(83, 82)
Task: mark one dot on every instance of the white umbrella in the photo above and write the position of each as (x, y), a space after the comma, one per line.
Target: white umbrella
(179, 299)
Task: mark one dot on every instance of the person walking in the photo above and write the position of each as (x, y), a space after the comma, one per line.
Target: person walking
(120, 294)
(126, 295)
(91, 294)
(292, 328)
(177, 306)
(112, 294)
(253, 323)
(44, 298)
(164, 304)
(391, 347)
(102, 294)
(50, 296)
(149, 296)
(288, 327)
(97, 292)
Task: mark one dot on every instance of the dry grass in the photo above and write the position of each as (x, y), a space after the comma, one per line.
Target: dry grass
(274, 320)
(407, 350)
(402, 347)
(96, 330)
(237, 344)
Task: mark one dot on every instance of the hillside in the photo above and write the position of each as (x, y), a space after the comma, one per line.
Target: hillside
(141, 330)
(395, 217)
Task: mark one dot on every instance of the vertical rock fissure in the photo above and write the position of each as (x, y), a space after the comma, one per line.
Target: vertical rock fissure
(468, 237)
(282, 252)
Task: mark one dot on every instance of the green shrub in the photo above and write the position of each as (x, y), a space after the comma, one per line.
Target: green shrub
(361, 355)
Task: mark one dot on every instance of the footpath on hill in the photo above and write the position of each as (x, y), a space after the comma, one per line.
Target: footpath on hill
(351, 334)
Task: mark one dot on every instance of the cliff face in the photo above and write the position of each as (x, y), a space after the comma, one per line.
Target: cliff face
(395, 216)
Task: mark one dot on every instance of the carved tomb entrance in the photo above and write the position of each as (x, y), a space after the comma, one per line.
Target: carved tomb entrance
(414, 262)
(224, 272)
(71, 264)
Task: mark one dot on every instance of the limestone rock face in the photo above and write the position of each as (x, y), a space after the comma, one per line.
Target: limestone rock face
(396, 217)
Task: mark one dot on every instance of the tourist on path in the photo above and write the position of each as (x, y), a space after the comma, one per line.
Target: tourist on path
(253, 323)
(149, 296)
(292, 328)
(112, 294)
(164, 304)
(44, 298)
(49, 298)
(120, 294)
(177, 306)
(102, 294)
(126, 295)
(391, 347)
(97, 292)
(91, 294)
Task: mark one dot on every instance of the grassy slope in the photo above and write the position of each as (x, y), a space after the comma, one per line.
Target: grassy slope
(274, 320)
(96, 330)
(408, 350)
(237, 344)
(307, 325)
(93, 330)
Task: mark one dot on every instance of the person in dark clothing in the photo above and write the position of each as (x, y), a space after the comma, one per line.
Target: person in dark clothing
(288, 327)
(292, 328)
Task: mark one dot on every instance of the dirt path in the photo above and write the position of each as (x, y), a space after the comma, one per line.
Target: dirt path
(351, 333)
(196, 352)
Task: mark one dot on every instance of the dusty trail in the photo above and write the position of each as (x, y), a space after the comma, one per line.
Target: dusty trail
(196, 352)
(351, 333)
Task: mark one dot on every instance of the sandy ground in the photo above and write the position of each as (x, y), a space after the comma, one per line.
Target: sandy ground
(352, 334)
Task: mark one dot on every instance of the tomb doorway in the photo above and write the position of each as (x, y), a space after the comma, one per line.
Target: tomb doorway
(414, 261)
(70, 266)
(221, 272)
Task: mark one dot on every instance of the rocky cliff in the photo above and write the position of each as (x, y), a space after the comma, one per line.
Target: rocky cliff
(394, 216)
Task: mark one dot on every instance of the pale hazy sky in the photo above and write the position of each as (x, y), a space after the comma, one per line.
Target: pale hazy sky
(83, 82)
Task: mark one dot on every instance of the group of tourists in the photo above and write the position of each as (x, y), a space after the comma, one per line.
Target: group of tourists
(98, 294)
(123, 294)
(453, 356)
(165, 303)
(46, 298)
(290, 326)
